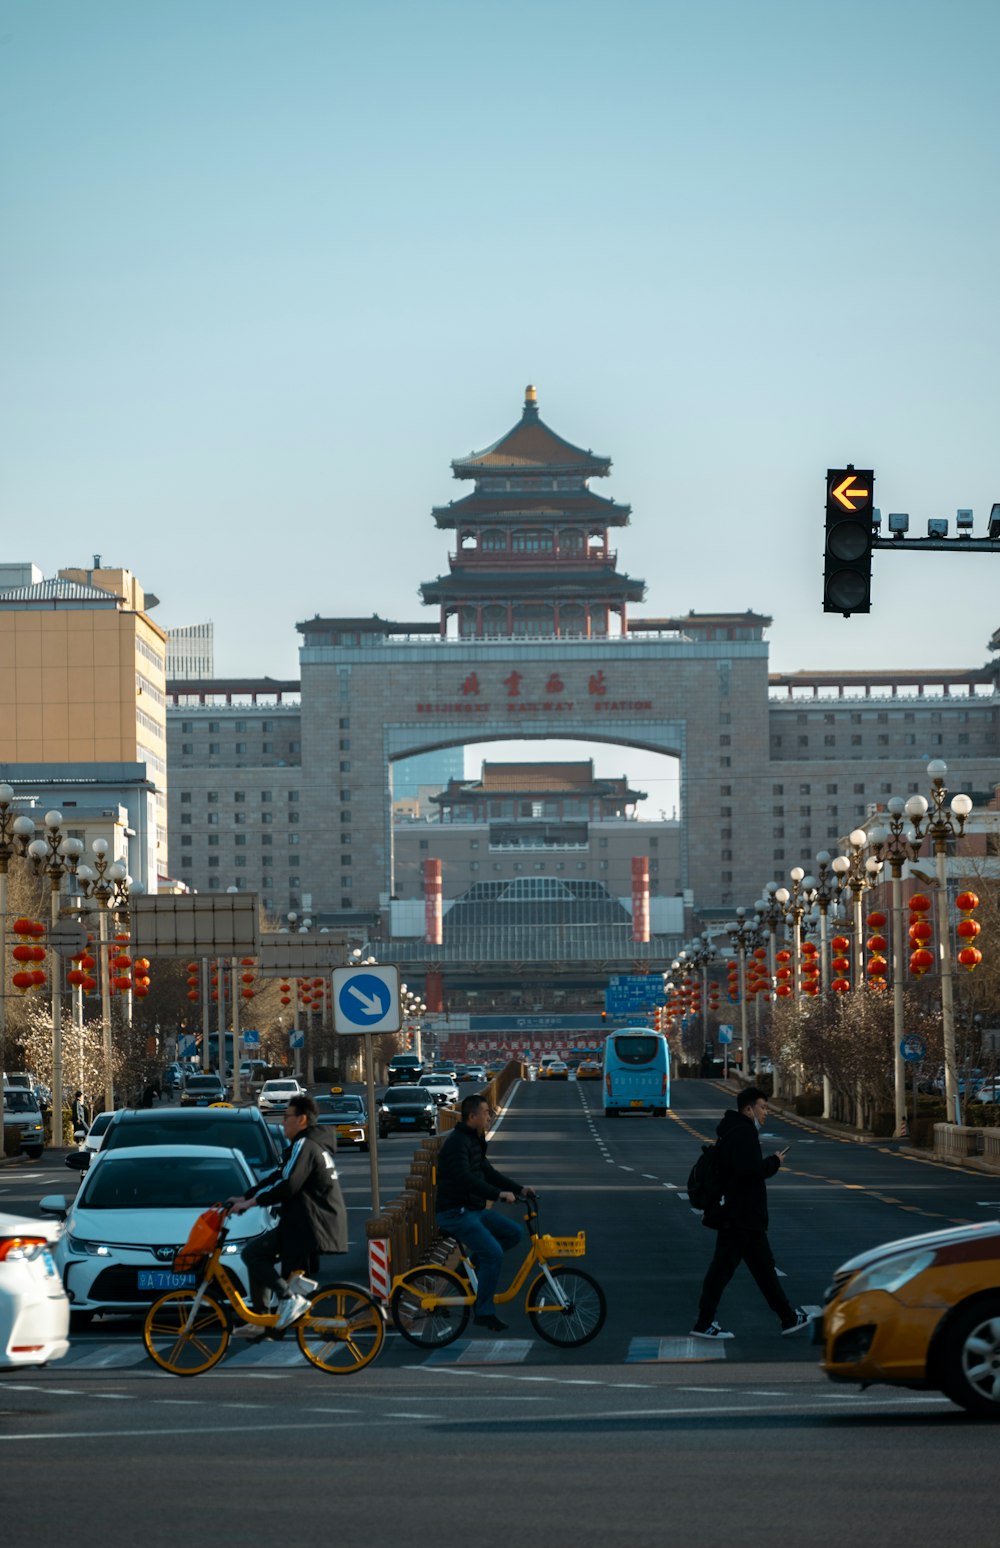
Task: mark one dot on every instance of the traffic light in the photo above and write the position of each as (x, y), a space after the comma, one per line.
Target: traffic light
(847, 576)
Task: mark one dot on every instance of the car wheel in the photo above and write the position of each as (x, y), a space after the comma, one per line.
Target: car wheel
(34, 1155)
(970, 1358)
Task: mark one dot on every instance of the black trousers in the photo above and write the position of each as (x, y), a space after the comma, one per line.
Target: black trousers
(261, 1257)
(734, 1246)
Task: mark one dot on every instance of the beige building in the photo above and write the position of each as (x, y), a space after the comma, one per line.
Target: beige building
(82, 683)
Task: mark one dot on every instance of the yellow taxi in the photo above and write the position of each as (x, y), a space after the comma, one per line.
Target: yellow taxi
(922, 1312)
(588, 1069)
(346, 1115)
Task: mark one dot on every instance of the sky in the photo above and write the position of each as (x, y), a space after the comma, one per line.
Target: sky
(266, 269)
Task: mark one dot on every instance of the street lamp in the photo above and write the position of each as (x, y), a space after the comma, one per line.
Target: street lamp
(824, 892)
(857, 874)
(16, 834)
(744, 935)
(931, 819)
(896, 843)
(699, 955)
(770, 914)
(108, 884)
(55, 856)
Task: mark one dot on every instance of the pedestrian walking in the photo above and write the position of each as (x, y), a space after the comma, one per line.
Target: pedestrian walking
(741, 1218)
(80, 1116)
(466, 1184)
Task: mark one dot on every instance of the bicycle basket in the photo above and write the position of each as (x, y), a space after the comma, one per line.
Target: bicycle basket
(202, 1239)
(562, 1246)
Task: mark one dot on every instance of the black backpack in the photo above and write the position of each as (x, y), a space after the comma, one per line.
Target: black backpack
(706, 1185)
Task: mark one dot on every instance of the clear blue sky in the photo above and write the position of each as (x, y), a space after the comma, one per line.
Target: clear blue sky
(267, 268)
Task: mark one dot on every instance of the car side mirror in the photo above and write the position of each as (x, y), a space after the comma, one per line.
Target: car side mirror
(77, 1160)
(53, 1204)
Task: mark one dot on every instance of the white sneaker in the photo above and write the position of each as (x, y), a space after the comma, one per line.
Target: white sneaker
(300, 1285)
(802, 1320)
(290, 1309)
(249, 1330)
(713, 1331)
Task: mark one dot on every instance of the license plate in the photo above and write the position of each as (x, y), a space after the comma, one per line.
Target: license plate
(49, 1262)
(163, 1279)
(636, 1104)
(407, 1120)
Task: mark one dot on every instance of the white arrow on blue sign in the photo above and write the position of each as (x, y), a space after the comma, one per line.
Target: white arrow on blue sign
(366, 999)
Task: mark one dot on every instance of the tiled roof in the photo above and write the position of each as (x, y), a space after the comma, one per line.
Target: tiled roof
(541, 585)
(537, 776)
(58, 591)
(584, 506)
(531, 447)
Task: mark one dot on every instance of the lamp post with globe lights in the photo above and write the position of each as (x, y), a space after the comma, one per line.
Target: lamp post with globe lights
(771, 914)
(896, 842)
(56, 856)
(795, 904)
(107, 883)
(824, 894)
(856, 874)
(931, 820)
(744, 935)
(16, 833)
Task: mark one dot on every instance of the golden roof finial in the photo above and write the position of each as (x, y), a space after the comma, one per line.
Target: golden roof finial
(530, 396)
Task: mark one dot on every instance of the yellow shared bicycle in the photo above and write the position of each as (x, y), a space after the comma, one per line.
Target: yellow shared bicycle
(187, 1331)
(431, 1304)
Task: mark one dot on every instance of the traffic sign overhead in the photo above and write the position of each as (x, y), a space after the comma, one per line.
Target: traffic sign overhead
(366, 999)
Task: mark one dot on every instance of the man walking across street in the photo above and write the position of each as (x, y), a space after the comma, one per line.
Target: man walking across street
(313, 1218)
(466, 1183)
(741, 1218)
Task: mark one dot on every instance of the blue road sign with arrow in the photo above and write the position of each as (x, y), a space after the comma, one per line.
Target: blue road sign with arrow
(366, 999)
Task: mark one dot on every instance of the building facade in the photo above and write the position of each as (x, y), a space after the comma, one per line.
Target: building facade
(536, 636)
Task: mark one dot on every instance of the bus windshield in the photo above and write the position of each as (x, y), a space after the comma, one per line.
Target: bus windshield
(636, 1050)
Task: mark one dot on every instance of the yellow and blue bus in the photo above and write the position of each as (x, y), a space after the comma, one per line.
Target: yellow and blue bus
(636, 1072)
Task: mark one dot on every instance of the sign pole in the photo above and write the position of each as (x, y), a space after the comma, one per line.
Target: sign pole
(372, 1123)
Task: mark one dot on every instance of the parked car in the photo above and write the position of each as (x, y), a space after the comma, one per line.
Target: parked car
(274, 1094)
(202, 1090)
(405, 1068)
(442, 1087)
(406, 1107)
(347, 1116)
(21, 1112)
(239, 1128)
(34, 1310)
(921, 1312)
(131, 1216)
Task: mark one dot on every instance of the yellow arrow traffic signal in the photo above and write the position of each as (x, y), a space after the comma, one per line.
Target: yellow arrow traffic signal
(848, 493)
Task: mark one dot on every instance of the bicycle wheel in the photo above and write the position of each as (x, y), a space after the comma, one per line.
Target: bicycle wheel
(576, 1322)
(342, 1331)
(430, 1327)
(177, 1348)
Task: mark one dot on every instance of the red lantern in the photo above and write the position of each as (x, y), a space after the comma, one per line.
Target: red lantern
(75, 976)
(246, 962)
(840, 943)
(89, 984)
(192, 994)
(22, 982)
(215, 994)
(922, 930)
(760, 952)
(919, 903)
(37, 976)
(966, 929)
(87, 961)
(782, 956)
(141, 990)
(285, 1000)
(121, 982)
(877, 920)
(877, 943)
(966, 902)
(24, 926)
(23, 953)
(920, 961)
(37, 953)
(970, 958)
(247, 994)
(784, 990)
(247, 978)
(877, 967)
(841, 964)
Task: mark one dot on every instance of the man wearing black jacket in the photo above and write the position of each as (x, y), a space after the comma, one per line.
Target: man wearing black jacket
(466, 1182)
(741, 1220)
(313, 1217)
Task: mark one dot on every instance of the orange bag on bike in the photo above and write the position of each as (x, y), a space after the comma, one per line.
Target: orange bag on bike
(202, 1239)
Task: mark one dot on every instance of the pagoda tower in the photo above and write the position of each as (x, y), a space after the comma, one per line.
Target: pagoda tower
(532, 555)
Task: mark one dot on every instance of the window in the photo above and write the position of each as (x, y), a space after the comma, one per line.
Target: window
(187, 861)
(212, 797)
(294, 838)
(240, 861)
(267, 795)
(239, 797)
(831, 790)
(725, 741)
(805, 811)
(213, 819)
(268, 747)
(777, 811)
(855, 741)
(602, 843)
(187, 726)
(725, 719)
(882, 718)
(187, 747)
(239, 819)
(185, 798)
(829, 741)
(909, 740)
(213, 747)
(213, 862)
(855, 718)
(240, 725)
(267, 838)
(345, 838)
(240, 839)
(266, 817)
(186, 841)
(424, 844)
(345, 768)
(776, 741)
(726, 854)
(777, 789)
(345, 859)
(345, 816)
(294, 816)
(267, 725)
(725, 763)
(725, 790)
(778, 832)
(803, 741)
(213, 725)
(241, 747)
(725, 811)
(801, 719)
(829, 720)
(267, 860)
(293, 795)
(883, 740)
(344, 723)
(345, 795)
(779, 854)
(213, 841)
(963, 738)
(293, 747)
(345, 903)
(805, 790)
(185, 819)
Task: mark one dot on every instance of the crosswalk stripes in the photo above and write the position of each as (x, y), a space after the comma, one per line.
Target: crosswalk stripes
(648, 1351)
(482, 1351)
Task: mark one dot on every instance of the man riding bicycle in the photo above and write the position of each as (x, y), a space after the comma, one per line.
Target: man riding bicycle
(313, 1218)
(466, 1182)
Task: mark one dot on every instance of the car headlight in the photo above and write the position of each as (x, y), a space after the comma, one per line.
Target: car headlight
(92, 1249)
(889, 1275)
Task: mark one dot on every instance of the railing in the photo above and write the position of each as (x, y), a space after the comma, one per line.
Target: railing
(956, 1142)
(408, 1223)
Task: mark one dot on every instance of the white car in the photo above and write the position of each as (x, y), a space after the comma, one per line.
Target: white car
(34, 1311)
(22, 1112)
(134, 1210)
(442, 1088)
(274, 1094)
